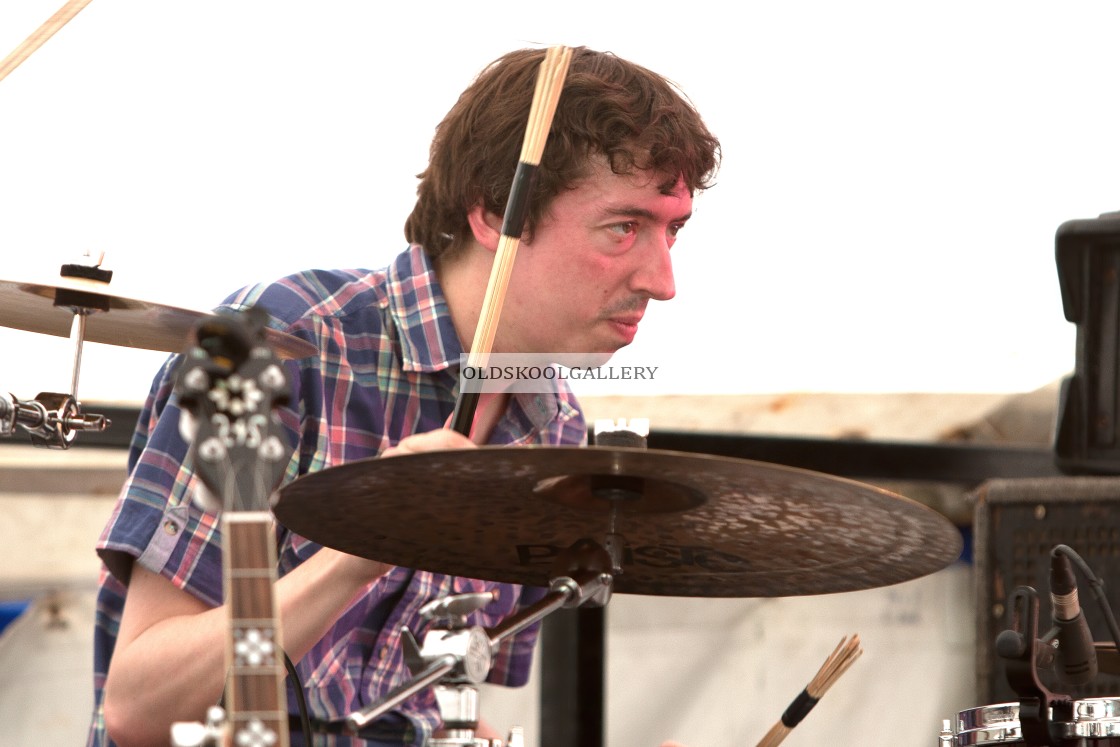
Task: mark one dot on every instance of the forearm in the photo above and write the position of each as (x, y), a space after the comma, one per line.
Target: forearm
(172, 672)
(173, 669)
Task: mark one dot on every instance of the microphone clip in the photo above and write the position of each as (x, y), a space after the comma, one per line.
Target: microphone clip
(1041, 712)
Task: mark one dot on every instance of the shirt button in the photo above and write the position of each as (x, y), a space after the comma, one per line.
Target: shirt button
(169, 527)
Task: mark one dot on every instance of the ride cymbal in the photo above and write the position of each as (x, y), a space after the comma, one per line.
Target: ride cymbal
(48, 308)
(687, 524)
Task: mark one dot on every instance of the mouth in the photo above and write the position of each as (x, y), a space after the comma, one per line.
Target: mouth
(626, 326)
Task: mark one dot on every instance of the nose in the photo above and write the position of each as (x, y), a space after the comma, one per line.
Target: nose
(654, 275)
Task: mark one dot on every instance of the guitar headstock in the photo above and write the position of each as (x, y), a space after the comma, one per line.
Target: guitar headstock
(230, 382)
(229, 385)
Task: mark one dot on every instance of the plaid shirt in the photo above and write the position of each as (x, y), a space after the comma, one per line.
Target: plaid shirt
(387, 368)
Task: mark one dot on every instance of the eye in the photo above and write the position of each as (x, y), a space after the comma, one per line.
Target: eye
(675, 228)
(626, 228)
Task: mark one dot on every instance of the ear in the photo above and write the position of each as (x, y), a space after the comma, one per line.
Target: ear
(486, 227)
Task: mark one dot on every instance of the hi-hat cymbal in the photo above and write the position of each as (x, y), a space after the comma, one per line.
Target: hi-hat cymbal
(45, 308)
(690, 525)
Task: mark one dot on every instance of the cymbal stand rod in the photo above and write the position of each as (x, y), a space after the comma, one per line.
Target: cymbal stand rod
(51, 419)
(513, 625)
(567, 591)
(431, 674)
(570, 590)
(31, 414)
(14, 411)
(77, 337)
(9, 414)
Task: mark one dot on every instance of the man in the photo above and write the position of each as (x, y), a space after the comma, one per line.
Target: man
(625, 156)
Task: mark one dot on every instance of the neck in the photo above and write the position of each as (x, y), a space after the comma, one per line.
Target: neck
(490, 409)
(464, 278)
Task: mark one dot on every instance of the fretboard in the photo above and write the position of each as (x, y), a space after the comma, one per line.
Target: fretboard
(256, 702)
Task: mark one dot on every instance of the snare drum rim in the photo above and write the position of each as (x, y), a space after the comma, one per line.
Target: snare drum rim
(999, 723)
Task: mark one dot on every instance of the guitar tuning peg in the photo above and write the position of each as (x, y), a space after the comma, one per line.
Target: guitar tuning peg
(195, 734)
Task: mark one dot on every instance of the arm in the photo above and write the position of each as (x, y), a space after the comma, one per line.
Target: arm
(169, 660)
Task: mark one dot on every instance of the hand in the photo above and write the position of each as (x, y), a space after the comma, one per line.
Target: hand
(359, 570)
(437, 440)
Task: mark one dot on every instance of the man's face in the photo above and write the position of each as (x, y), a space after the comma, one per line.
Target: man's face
(595, 260)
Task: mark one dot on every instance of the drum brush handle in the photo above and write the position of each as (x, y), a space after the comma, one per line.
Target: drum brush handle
(844, 655)
(546, 96)
(463, 417)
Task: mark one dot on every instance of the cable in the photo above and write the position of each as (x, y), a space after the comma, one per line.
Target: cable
(301, 701)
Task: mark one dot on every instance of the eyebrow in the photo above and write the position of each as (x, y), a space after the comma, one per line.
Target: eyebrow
(638, 212)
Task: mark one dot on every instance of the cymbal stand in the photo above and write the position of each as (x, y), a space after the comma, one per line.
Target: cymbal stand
(457, 656)
(53, 419)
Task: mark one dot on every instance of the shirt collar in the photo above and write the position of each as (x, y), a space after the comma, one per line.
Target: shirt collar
(537, 411)
(429, 342)
(416, 303)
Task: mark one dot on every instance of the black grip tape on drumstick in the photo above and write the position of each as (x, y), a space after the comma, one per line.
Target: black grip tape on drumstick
(513, 223)
(513, 220)
(799, 709)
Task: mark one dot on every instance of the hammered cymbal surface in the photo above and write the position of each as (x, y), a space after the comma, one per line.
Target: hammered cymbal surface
(119, 320)
(691, 525)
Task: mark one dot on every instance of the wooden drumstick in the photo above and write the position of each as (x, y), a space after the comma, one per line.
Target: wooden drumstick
(550, 82)
(40, 36)
(845, 654)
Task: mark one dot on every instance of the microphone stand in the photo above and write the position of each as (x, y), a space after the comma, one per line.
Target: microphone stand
(456, 656)
(1041, 712)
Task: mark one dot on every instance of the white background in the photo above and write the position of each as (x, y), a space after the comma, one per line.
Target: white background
(894, 172)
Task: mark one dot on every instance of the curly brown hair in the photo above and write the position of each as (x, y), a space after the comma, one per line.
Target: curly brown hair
(608, 106)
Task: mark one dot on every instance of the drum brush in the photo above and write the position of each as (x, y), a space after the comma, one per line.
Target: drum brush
(39, 37)
(546, 96)
(845, 654)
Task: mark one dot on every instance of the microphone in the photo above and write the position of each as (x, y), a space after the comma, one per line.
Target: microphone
(1075, 661)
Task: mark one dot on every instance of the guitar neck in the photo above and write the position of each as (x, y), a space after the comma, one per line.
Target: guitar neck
(231, 381)
(256, 701)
